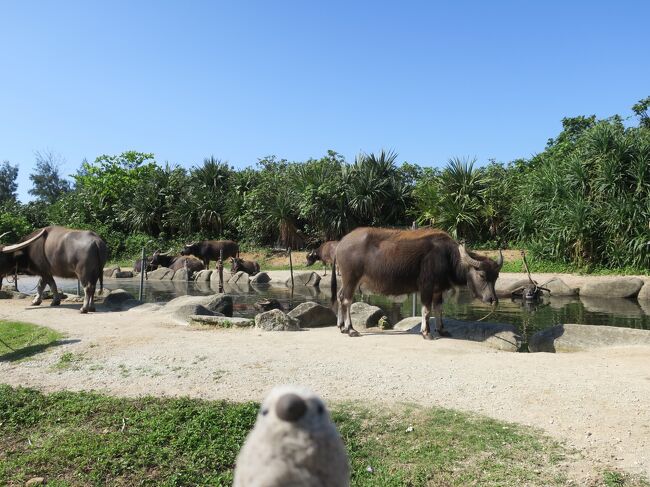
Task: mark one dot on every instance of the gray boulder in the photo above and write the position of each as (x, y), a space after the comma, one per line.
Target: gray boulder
(181, 275)
(311, 315)
(576, 338)
(221, 321)
(505, 287)
(239, 278)
(558, 287)
(110, 271)
(500, 336)
(260, 278)
(119, 299)
(619, 306)
(276, 320)
(161, 274)
(123, 275)
(624, 287)
(644, 293)
(310, 279)
(203, 276)
(365, 315)
(10, 293)
(216, 303)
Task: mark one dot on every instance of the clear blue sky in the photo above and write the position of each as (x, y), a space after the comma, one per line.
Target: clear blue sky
(241, 80)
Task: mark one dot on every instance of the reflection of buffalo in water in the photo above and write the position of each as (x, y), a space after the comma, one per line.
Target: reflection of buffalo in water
(61, 252)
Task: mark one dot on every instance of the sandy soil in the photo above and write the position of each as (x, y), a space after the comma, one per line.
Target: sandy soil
(597, 402)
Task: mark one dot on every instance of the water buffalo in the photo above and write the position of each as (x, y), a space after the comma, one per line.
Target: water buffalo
(404, 261)
(61, 252)
(325, 253)
(248, 266)
(137, 266)
(208, 250)
(176, 262)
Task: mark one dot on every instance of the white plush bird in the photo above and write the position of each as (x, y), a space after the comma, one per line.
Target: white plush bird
(293, 444)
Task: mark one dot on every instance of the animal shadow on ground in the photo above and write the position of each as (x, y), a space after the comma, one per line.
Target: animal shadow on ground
(32, 350)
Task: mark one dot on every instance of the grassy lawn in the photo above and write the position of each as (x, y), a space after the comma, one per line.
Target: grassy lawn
(82, 438)
(21, 340)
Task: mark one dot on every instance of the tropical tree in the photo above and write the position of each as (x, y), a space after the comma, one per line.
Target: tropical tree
(47, 183)
(454, 199)
(8, 185)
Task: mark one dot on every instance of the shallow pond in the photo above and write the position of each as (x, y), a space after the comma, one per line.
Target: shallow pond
(528, 319)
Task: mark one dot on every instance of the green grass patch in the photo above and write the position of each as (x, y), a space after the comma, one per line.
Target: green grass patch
(69, 361)
(78, 438)
(539, 265)
(20, 340)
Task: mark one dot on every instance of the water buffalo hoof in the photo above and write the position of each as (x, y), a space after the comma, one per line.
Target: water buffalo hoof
(83, 311)
(55, 302)
(427, 336)
(37, 302)
(353, 333)
(343, 330)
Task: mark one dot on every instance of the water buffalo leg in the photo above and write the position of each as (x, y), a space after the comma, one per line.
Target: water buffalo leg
(340, 316)
(89, 291)
(437, 308)
(424, 328)
(38, 299)
(345, 303)
(85, 307)
(56, 297)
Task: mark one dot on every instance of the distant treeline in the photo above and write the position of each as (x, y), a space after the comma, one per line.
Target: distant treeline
(585, 199)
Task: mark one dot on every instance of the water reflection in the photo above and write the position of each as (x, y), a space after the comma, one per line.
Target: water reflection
(458, 304)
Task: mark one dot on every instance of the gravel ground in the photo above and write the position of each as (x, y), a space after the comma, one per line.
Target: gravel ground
(597, 402)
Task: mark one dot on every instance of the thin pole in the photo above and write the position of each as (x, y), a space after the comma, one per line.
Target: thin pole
(291, 267)
(414, 297)
(220, 267)
(78, 288)
(143, 271)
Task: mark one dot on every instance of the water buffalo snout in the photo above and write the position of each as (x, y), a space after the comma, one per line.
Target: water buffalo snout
(290, 407)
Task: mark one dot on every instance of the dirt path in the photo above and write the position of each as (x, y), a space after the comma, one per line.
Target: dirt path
(598, 402)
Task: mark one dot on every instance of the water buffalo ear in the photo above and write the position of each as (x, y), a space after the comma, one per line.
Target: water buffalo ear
(13, 248)
(466, 258)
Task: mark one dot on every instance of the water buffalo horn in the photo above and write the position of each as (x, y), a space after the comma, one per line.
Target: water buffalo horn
(500, 259)
(6, 233)
(13, 248)
(465, 257)
(165, 253)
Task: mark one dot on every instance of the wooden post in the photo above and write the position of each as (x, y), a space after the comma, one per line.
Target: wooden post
(143, 271)
(220, 268)
(291, 268)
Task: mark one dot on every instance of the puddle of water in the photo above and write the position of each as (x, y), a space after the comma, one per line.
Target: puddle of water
(528, 319)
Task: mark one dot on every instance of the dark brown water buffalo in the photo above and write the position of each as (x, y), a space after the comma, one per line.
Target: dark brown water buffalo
(405, 261)
(325, 253)
(137, 266)
(208, 250)
(248, 266)
(58, 252)
(176, 262)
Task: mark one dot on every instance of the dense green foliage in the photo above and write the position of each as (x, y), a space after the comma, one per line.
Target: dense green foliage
(79, 438)
(584, 200)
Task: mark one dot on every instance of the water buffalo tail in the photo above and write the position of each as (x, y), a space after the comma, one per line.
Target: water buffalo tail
(333, 286)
